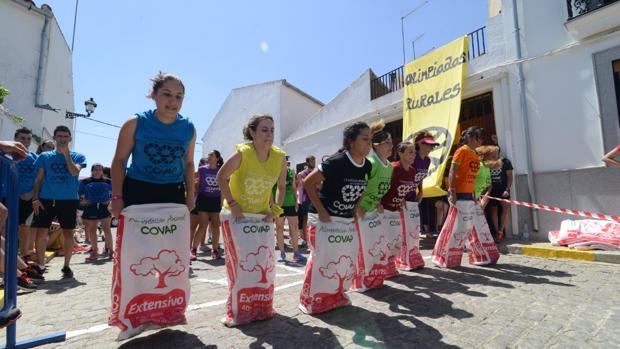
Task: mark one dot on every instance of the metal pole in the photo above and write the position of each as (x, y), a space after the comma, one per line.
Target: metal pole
(402, 31)
(413, 44)
(524, 116)
(402, 26)
(74, 23)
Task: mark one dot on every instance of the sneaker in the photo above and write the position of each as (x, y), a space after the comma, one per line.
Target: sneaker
(282, 257)
(67, 273)
(299, 258)
(40, 269)
(24, 283)
(107, 253)
(500, 236)
(93, 256)
(33, 273)
(205, 248)
(217, 254)
(192, 255)
(303, 244)
(9, 317)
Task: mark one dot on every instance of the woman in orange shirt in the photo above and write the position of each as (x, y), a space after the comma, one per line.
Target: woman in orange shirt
(465, 219)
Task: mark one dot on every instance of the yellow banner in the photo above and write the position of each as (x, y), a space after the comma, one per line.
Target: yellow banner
(432, 102)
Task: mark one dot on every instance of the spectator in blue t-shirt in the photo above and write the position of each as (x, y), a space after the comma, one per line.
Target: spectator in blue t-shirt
(56, 195)
(25, 185)
(95, 192)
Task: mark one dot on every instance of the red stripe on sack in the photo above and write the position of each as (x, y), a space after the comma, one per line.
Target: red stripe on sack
(113, 319)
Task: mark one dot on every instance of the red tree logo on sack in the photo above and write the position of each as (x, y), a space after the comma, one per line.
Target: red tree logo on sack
(166, 264)
(343, 269)
(262, 261)
(379, 249)
(394, 245)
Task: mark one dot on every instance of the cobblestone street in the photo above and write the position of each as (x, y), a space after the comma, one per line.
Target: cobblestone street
(523, 302)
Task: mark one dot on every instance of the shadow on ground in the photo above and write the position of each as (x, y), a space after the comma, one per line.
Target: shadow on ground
(288, 332)
(166, 339)
(378, 330)
(59, 286)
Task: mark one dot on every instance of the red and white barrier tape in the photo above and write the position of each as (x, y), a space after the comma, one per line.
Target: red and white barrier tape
(560, 210)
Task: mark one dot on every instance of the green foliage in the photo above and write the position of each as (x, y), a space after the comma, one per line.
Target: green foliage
(3, 93)
(37, 139)
(17, 119)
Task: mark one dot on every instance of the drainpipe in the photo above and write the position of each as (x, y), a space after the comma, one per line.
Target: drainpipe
(43, 51)
(526, 124)
(46, 12)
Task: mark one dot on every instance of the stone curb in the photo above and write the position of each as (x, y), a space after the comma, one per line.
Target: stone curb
(546, 250)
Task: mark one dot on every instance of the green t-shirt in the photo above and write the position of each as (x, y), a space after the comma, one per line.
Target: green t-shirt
(289, 194)
(483, 180)
(378, 183)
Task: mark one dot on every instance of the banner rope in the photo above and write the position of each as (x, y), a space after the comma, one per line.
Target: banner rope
(559, 210)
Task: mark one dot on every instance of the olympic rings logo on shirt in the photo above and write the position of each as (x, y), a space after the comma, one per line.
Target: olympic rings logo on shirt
(211, 182)
(25, 169)
(165, 154)
(383, 188)
(256, 186)
(404, 189)
(59, 168)
(352, 192)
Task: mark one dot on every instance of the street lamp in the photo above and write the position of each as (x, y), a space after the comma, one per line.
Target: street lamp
(90, 108)
(413, 43)
(402, 26)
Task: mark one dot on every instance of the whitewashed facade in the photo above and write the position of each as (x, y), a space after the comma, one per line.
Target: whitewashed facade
(35, 66)
(288, 106)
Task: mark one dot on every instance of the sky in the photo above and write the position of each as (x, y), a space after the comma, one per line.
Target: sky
(320, 46)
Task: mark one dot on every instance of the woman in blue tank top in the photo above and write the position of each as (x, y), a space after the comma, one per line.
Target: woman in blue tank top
(161, 144)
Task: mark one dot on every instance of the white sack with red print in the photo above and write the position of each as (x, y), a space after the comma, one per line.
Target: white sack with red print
(250, 264)
(393, 227)
(373, 253)
(150, 278)
(410, 257)
(587, 234)
(465, 221)
(332, 265)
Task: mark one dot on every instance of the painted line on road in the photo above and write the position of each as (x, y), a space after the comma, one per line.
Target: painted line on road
(191, 307)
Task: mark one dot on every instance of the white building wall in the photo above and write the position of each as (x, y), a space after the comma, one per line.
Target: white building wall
(19, 61)
(226, 129)
(322, 134)
(295, 109)
(288, 107)
(561, 93)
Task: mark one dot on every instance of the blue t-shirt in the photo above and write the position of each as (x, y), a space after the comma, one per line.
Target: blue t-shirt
(58, 183)
(159, 150)
(96, 190)
(26, 174)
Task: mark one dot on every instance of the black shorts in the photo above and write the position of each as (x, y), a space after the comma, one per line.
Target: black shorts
(289, 211)
(496, 203)
(208, 204)
(136, 192)
(64, 210)
(95, 211)
(25, 210)
(303, 208)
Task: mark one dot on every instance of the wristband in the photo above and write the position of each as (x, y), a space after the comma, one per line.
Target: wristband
(277, 210)
(232, 203)
(116, 197)
(35, 200)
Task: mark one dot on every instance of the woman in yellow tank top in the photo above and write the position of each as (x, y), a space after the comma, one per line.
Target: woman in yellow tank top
(246, 181)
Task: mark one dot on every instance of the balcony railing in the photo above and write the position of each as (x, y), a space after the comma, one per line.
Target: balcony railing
(577, 8)
(395, 80)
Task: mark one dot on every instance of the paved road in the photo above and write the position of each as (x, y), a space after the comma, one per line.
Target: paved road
(523, 302)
